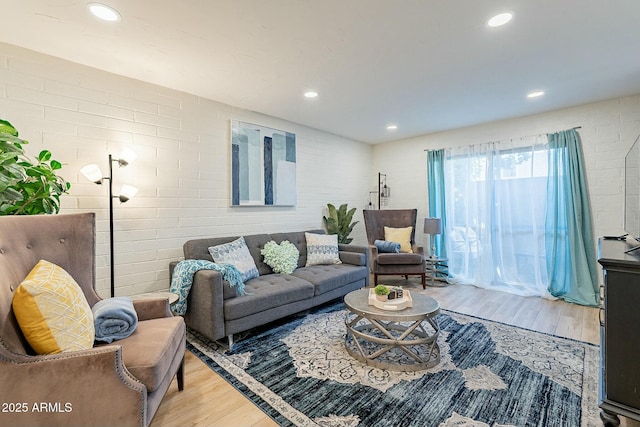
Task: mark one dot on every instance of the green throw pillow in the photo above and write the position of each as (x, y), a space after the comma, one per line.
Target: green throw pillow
(282, 258)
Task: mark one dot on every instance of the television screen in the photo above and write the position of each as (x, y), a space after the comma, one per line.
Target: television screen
(632, 191)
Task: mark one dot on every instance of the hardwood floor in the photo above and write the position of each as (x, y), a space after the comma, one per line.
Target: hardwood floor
(208, 400)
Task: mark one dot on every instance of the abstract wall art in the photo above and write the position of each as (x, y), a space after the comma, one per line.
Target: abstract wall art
(263, 166)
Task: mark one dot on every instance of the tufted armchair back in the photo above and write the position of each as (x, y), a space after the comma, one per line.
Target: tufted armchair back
(376, 220)
(65, 240)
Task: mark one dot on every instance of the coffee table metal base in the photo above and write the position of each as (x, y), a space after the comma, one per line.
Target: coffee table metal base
(406, 346)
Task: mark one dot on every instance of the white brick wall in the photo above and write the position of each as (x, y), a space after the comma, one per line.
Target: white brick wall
(183, 167)
(608, 130)
(182, 142)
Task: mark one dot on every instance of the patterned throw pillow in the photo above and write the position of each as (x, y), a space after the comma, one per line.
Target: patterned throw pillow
(400, 235)
(322, 249)
(236, 253)
(52, 311)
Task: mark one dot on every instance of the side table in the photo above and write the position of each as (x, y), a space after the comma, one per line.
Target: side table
(437, 269)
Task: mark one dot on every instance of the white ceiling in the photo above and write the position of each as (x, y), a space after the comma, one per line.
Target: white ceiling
(425, 65)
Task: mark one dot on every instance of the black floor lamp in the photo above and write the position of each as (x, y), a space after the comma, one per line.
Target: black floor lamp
(93, 173)
(384, 192)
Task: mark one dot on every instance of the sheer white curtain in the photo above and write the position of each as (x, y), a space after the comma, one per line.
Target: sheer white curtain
(495, 214)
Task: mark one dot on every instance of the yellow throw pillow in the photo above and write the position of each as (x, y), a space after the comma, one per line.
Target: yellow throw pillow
(399, 235)
(52, 311)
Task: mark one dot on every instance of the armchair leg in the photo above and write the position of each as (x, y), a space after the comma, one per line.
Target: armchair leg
(375, 279)
(180, 376)
(424, 280)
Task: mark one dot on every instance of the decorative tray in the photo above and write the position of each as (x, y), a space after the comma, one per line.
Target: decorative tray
(395, 304)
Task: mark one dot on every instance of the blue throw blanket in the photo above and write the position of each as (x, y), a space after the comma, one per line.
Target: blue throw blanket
(386, 246)
(183, 279)
(114, 318)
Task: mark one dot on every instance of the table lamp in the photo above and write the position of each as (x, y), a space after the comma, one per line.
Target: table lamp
(433, 226)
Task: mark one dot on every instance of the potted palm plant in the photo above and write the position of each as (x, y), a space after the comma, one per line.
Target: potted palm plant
(27, 186)
(339, 222)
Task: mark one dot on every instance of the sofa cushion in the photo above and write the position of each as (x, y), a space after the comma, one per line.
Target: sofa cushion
(401, 235)
(236, 253)
(52, 311)
(326, 278)
(148, 352)
(265, 292)
(322, 249)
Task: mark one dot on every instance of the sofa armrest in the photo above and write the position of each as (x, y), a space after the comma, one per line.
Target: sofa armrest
(205, 310)
(353, 258)
(88, 388)
(362, 250)
(154, 308)
(353, 248)
(356, 255)
(172, 266)
(342, 247)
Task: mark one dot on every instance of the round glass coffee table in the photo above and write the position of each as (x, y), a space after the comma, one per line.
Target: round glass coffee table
(403, 340)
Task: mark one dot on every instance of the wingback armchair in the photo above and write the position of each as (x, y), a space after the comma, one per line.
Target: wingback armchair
(117, 384)
(397, 264)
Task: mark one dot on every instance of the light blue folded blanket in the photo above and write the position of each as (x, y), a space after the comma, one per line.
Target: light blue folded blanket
(114, 318)
(386, 246)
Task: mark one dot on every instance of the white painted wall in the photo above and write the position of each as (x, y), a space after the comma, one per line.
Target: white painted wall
(608, 130)
(182, 141)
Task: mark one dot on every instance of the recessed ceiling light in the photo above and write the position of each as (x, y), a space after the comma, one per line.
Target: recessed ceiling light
(500, 19)
(104, 12)
(311, 94)
(535, 94)
(392, 127)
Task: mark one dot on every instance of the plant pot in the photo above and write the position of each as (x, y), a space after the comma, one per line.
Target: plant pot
(382, 298)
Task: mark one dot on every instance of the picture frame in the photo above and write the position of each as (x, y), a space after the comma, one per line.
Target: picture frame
(263, 166)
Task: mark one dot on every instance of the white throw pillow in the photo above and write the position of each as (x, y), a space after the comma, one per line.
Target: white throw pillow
(236, 253)
(322, 249)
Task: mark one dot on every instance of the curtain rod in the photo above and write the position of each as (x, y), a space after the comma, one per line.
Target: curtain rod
(502, 140)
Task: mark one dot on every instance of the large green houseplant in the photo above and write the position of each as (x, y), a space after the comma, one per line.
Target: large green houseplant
(339, 222)
(27, 186)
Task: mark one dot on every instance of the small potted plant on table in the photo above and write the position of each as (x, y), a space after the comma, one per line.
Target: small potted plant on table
(382, 292)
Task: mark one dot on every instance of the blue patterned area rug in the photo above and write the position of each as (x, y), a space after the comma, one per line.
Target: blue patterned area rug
(490, 374)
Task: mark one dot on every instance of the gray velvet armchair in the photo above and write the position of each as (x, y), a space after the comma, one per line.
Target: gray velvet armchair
(118, 384)
(396, 264)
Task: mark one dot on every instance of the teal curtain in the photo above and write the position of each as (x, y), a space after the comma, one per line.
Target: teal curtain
(435, 183)
(569, 242)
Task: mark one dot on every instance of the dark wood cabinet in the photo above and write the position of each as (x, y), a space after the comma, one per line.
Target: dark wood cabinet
(619, 331)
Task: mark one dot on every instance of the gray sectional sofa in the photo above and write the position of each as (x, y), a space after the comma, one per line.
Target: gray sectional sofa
(215, 310)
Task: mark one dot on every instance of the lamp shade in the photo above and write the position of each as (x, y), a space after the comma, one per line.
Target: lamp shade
(433, 226)
(92, 172)
(127, 192)
(127, 156)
